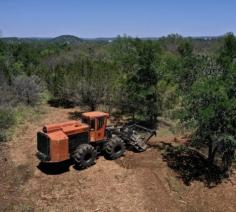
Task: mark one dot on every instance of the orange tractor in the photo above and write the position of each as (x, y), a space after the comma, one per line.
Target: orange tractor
(83, 141)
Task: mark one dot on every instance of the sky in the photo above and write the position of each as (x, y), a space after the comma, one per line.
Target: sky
(109, 18)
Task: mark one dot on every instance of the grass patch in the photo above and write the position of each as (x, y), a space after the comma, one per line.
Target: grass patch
(27, 113)
(11, 118)
(7, 120)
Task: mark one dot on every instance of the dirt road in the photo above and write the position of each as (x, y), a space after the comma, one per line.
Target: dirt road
(135, 182)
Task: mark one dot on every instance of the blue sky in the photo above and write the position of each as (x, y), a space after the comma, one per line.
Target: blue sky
(108, 18)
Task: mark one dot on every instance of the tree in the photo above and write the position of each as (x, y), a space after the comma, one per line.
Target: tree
(210, 107)
(227, 54)
(7, 100)
(187, 72)
(171, 42)
(96, 83)
(141, 81)
(28, 90)
(6, 92)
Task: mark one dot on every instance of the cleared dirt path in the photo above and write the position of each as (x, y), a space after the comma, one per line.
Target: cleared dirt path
(135, 182)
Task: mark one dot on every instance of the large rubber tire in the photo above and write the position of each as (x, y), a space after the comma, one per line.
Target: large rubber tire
(115, 148)
(84, 156)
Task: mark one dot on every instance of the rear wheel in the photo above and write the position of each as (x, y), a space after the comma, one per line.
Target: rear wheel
(115, 148)
(84, 156)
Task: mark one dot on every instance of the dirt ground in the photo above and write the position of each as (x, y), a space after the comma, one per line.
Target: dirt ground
(135, 182)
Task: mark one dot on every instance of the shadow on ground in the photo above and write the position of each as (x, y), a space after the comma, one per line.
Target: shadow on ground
(58, 168)
(55, 168)
(190, 165)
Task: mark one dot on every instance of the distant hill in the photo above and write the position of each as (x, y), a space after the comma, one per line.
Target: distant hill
(25, 40)
(69, 39)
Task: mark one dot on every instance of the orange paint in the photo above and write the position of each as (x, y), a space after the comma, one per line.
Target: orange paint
(59, 148)
(100, 119)
(59, 134)
(95, 114)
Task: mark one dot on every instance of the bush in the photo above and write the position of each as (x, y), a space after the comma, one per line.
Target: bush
(28, 90)
(7, 95)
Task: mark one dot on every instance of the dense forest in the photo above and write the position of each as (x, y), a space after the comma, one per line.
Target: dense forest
(189, 80)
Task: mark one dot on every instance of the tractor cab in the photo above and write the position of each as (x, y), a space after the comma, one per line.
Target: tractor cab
(97, 122)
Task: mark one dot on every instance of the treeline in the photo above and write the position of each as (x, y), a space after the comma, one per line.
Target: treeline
(191, 80)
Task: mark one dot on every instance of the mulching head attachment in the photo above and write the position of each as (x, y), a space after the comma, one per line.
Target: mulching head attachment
(136, 136)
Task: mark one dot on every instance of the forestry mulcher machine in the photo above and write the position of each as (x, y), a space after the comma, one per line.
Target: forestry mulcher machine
(84, 141)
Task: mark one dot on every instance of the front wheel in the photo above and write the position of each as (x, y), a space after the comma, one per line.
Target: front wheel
(84, 155)
(115, 148)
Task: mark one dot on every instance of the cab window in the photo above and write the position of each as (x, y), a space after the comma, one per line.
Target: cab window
(89, 122)
(100, 122)
(86, 121)
(92, 124)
